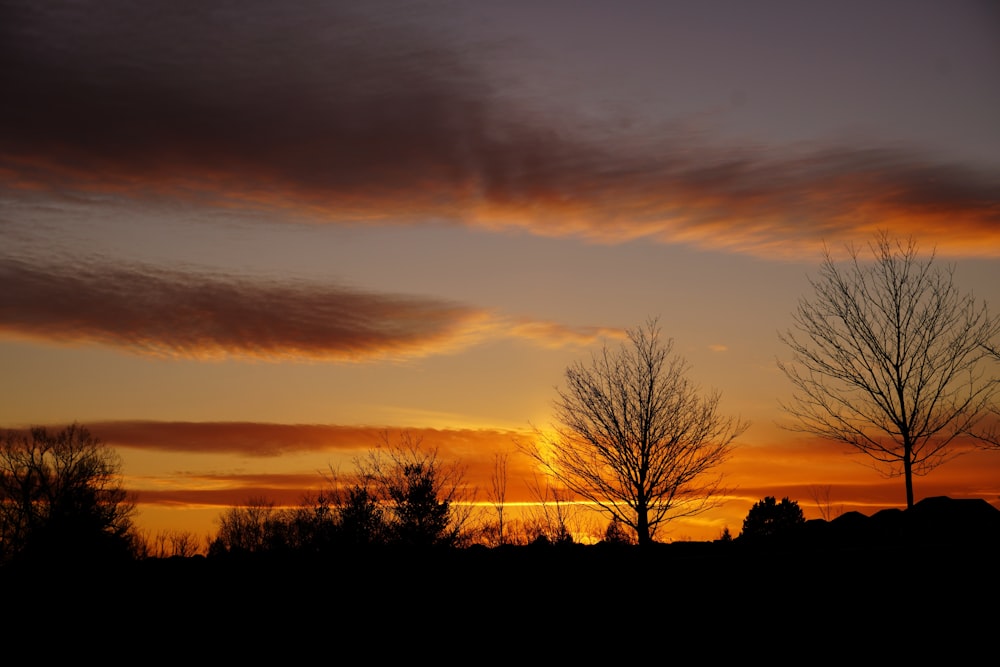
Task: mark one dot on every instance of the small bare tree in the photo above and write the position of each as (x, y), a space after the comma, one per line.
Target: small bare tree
(821, 498)
(886, 358)
(636, 437)
(172, 543)
(498, 493)
(554, 516)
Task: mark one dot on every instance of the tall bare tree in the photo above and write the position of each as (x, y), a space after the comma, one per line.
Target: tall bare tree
(636, 437)
(886, 357)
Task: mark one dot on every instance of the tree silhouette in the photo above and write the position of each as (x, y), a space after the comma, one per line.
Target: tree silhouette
(418, 495)
(178, 543)
(498, 494)
(635, 437)
(989, 435)
(886, 358)
(616, 533)
(768, 518)
(249, 529)
(309, 528)
(360, 518)
(61, 496)
(401, 494)
(552, 514)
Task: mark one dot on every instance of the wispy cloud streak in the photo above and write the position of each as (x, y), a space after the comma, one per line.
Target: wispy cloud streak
(192, 314)
(344, 117)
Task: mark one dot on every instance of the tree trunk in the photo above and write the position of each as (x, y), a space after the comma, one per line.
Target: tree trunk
(642, 525)
(908, 473)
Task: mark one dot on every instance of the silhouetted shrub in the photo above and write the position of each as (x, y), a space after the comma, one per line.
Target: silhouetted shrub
(360, 519)
(616, 533)
(771, 519)
(408, 495)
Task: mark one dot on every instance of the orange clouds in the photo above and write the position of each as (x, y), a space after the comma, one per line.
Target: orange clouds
(551, 334)
(345, 117)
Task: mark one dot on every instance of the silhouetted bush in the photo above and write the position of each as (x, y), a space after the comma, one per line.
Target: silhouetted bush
(616, 533)
(771, 519)
(401, 495)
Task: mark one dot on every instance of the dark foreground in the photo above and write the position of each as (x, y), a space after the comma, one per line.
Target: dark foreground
(876, 592)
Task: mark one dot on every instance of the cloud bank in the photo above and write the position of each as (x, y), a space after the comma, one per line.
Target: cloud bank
(368, 115)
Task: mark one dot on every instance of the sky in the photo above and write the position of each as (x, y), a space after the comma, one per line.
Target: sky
(241, 240)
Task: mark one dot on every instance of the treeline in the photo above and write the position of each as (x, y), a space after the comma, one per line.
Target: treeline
(62, 499)
(399, 495)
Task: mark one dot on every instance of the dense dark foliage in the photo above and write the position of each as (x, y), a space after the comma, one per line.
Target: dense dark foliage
(61, 497)
(401, 495)
(771, 519)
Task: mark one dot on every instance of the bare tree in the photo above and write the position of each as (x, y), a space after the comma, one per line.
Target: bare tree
(554, 515)
(886, 358)
(498, 493)
(170, 543)
(636, 437)
(247, 529)
(821, 498)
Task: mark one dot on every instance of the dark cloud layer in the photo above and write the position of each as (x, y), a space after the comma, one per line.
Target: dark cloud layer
(368, 115)
(268, 439)
(157, 311)
(305, 98)
(190, 314)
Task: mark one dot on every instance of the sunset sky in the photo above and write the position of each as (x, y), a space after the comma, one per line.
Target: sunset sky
(240, 239)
